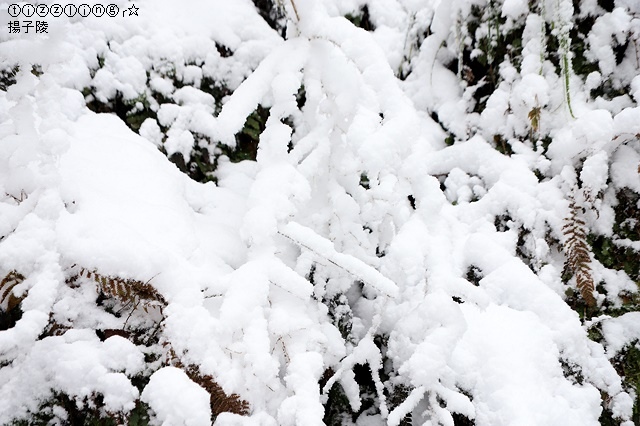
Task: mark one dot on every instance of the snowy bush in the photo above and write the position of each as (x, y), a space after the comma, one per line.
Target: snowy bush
(322, 212)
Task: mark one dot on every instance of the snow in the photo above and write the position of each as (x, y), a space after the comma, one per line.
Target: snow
(618, 332)
(504, 369)
(77, 364)
(175, 399)
(607, 28)
(514, 8)
(438, 243)
(306, 238)
(595, 171)
(622, 169)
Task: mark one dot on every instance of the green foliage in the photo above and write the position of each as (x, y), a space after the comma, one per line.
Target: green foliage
(80, 415)
(273, 14)
(629, 368)
(627, 215)
(247, 140)
(627, 364)
(337, 411)
(489, 42)
(368, 394)
(131, 111)
(140, 415)
(9, 72)
(364, 181)
(578, 34)
(461, 420)
(201, 165)
(203, 159)
(253, 126)
(617, 256)
(8, 76)
(397, 395)
(361, 19)
(138, 110)
(116, 295)
(474, 275)
(341, 315)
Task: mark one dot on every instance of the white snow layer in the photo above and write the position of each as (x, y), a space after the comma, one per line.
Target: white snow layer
(175, 399)
(81, 188)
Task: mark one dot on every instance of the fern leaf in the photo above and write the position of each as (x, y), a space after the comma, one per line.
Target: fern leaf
(8, 283)
(220, 401)
(128, 291)
(577, 252)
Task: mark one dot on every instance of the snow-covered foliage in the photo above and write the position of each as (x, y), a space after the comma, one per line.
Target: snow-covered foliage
(309, 212)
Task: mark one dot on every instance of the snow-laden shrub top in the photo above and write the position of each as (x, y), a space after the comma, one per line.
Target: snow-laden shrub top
(413, 214)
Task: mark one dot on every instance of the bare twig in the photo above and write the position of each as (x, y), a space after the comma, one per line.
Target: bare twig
(295, 10)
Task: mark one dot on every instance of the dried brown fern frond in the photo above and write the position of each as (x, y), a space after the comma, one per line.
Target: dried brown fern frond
(577, 251)
(219, 400)
(128, 291)
(7, 298)
(54, 328)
